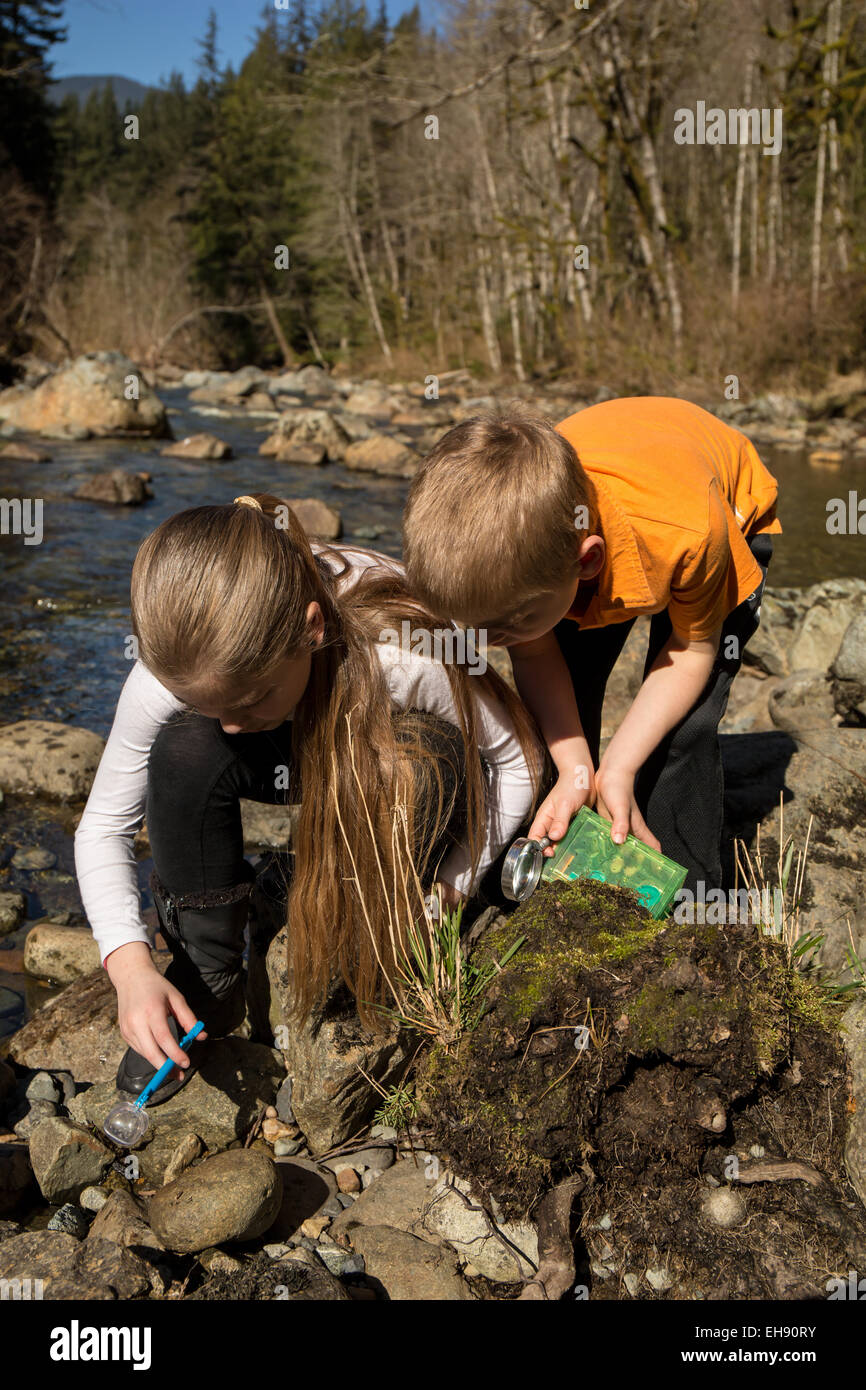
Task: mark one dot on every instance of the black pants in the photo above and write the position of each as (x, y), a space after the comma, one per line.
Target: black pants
(680, 788)
(197, 775)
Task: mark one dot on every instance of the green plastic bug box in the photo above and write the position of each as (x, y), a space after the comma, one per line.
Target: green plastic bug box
(587, 851)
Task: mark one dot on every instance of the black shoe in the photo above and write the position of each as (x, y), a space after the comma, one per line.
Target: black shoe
(135, 1071)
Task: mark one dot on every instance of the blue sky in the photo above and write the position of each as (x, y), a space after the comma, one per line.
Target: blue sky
(146, 39)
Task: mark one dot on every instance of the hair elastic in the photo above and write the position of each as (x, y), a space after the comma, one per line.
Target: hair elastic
(247, 501)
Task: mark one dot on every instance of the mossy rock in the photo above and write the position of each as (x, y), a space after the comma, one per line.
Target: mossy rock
(599, 992)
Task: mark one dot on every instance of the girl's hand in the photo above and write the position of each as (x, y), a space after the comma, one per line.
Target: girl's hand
(616, 803)
(145, 1002)
(559, 808)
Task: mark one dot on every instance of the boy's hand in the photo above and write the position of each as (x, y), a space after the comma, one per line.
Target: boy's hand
(617, 804)
(558, 810)
(145, 1002)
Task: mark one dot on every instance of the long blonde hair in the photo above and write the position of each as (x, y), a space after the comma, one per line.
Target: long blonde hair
(220, 594)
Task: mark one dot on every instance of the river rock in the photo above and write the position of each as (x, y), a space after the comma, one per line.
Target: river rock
(122, 1218)
(43, 1086)
(398, 1198)
(303, 425)
(13, 910)
(849, 673)
(16, 1175)
(235, 1078)
(854, 1038)
(829, 607)
(371, 400)
(77, 1030)
(71, 1269)
(34, 1112)
(66, 1158)
(70, 1218)
(409, 1269)
(60, 954)
(446, 1216)
(381, 453)
(198, 446)
(54, 760)
(117, 487)
(802, 702)
(232, 1196)
(23, 453)
(187, 1151)
(331, 1099)
(33, 859)
(90, 393)
(317, 518)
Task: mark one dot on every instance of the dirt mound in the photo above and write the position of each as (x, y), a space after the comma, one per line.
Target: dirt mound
(661, 1063)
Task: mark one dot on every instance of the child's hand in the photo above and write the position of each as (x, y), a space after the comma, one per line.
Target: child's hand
(145, 1002)
(557, 811)
(616, 803)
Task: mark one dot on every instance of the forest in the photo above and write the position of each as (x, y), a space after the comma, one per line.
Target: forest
(653, 191)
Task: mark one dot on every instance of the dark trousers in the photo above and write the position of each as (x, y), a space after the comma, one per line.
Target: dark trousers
(197, 775)
(680, 788)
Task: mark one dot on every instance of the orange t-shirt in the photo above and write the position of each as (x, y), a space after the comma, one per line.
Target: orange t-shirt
(678, 491)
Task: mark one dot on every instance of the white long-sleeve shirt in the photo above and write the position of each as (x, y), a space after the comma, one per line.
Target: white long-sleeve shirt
(105, 862)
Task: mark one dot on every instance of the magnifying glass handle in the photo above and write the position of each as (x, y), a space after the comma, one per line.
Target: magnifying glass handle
(167, 1066)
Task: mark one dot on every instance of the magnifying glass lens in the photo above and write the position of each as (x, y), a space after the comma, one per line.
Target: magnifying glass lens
(522, 868)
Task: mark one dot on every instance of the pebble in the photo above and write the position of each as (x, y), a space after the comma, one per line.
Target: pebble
(658, 1279)
(346, 1198)
(33, 859)
(340, 1261)
(315, 1225)
(279, 1251)
(368, 1177)
(284, 1102)
(330, 1208)
(384, 1132)
(306, 1243)
(285, 1148)
(605, 1223)
(348, 1180)
(92, 1198)
(757, 1151)
(632, 1283)
(724, 1207)
(43, 1086)
(271, 1112)
(70, 1219)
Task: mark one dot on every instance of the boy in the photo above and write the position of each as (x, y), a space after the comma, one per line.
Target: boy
(554, 539)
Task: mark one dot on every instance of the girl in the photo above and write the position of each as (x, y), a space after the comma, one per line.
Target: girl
(265, 671)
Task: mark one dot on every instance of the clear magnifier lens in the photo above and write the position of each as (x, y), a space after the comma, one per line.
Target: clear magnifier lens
(522, 868)
(126, 1123)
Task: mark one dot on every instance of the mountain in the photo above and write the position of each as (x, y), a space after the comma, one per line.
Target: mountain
(125, 89)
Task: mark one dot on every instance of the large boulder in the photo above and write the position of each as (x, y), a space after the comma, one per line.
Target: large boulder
(90, 393)
(54, 760)
(328, 1054)
(232, 1196)
(117, 488)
